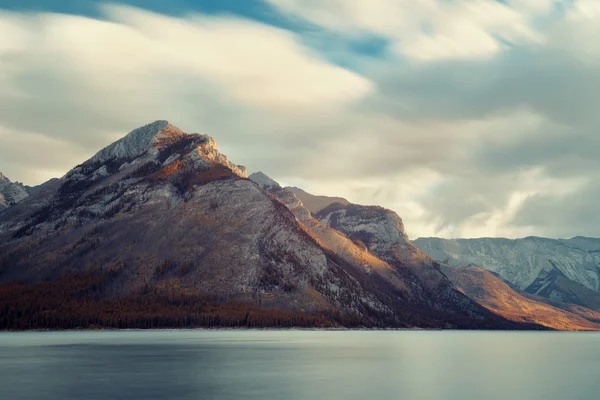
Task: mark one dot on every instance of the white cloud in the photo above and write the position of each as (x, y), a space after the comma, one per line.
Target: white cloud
(499, 218)
(424, 30)
(535, 7)
(476, 143)
(85, 80)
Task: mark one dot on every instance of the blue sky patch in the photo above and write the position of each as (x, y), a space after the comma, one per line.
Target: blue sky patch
(334, 47)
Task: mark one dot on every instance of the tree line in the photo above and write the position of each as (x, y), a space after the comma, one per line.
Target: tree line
(73, 303)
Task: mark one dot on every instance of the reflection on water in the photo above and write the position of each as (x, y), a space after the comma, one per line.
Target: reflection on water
(299, 365)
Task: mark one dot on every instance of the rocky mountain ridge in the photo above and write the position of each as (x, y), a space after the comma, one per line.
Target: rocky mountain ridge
(520, 261)
(493, 293)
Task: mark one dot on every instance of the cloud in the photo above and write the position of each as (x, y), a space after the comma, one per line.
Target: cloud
(573, 214)
(527, 112)
(426, 30)
(468, 126)
(87, 81)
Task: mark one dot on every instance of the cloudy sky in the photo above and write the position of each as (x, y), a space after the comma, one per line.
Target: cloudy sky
(469, 118)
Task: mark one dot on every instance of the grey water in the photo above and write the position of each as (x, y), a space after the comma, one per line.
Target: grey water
(314, 365)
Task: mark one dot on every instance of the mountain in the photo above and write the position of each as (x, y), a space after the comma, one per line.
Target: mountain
(374, 237)
(485, 288)
(162, 212)
(11, 192)
(161, 229)
(380, 233)
(520, 261)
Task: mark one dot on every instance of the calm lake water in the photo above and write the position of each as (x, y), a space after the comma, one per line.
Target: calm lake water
(299, 365)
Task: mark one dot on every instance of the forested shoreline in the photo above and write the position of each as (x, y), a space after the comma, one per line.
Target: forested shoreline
(74, 302)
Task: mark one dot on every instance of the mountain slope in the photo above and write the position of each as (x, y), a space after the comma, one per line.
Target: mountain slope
(39, 197)
(483, 287)
(419, 282)
(520, 261)
(382, 232)
(424, 282)
(352, 252)
(552, 284)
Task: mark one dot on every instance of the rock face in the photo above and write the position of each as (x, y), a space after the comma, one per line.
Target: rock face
(162, 214)
(11, 192)
(382, 232)
(552, 284)
(353, 253)
(521, 261)
(374, 238)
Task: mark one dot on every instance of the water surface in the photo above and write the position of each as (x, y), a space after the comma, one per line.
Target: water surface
(311, 365)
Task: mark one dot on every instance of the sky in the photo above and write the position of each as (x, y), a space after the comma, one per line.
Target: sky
(469, 118)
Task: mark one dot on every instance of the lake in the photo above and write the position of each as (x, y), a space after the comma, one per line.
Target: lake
(196, 364)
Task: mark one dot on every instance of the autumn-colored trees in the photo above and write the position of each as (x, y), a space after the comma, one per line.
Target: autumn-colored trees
(75, 302)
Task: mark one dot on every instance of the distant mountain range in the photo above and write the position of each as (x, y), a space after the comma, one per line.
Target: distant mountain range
(564, 270)
(160, 229)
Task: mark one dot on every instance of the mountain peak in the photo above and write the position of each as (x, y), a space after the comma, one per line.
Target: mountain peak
(158, 143)
(3, 178)
(139, 141)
